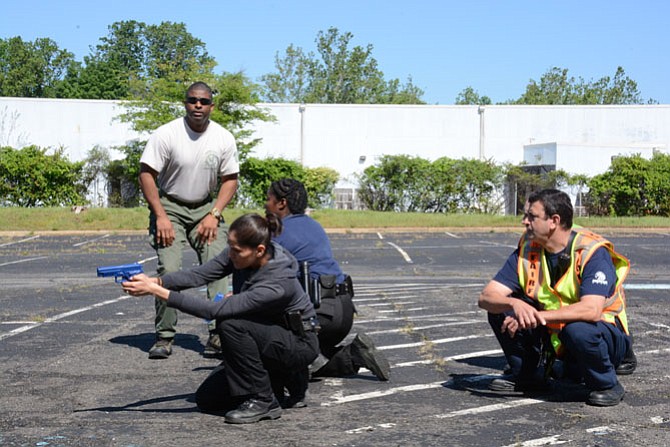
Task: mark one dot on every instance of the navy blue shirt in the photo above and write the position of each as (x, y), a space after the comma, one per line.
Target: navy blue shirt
(598, 278)
(307, 241)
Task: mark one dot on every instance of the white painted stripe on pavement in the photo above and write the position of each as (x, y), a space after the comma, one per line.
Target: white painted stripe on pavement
(602, 430)
(646, 286)
(489, 408)
(400, 285)
(415, 309)
(390, 303)
(23, 260)
(368, 428)
(405, 292)
(496, 244)
(90, 240)
(419, 317)
(469, 355)
(452, 235)
(61, 316)
(654, 351)
(434, 342)
(548, 440)
(18, 242)
(402, 252)
(339, 399)
(379, 235)
(420, 328)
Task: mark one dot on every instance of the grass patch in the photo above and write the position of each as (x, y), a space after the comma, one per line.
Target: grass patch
(137, 219)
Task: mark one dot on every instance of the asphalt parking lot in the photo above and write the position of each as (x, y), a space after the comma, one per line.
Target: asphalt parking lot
(75, 372)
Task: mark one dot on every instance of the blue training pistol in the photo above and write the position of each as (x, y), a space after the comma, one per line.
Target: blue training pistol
(120, 272)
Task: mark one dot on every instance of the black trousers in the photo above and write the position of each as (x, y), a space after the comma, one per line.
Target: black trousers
(336, 317)
(254, 354)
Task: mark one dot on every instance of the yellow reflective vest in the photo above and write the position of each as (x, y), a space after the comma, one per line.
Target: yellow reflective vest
(535, 279)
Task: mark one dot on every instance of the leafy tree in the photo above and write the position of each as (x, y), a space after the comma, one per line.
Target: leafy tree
(632, 186)
(123, 187)
(390, 184)
(291, 82)
(339, 75)
(94, 172)
(30, 177)
(522, 180)
(404, 183)
(320, 184)
(140, 61)
(32, 69)
(556, 87)
(476, 184)
(256, 175)
(470, 96)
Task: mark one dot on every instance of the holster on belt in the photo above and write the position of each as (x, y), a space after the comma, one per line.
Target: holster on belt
(310, 285)
(294, 323)
(328, 285)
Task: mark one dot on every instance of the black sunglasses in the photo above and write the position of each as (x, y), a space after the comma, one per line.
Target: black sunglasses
(203, 101)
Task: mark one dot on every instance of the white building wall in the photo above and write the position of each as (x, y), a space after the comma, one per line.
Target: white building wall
(78, 125)
(349, 138)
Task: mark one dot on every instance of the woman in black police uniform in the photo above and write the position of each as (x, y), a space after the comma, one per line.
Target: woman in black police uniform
(266, 329)
(308, 242)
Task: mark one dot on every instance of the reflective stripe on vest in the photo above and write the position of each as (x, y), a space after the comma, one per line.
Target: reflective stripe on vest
(535, 279)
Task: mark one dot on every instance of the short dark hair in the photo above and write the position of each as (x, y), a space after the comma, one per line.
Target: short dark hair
(199, 85)
(293, 191)
(253, 229)
(555, 202)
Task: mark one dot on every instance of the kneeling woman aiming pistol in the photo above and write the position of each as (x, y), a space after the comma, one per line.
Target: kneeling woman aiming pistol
(267, 329)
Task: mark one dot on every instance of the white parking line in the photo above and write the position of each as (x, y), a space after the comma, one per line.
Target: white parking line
(489, 408)
(90, 240)
(389, 303)
(402, 252)
(18, 242)
(23, 260)
(469, 355)
(496, 244)
(339, 399)
(548, 440)
(420, 317)
(414, 309)
(434, 342)
(61, 316)
(646, 286)
(420, 328)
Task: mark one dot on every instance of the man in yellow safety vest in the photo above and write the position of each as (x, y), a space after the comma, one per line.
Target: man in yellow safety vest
(561, 293)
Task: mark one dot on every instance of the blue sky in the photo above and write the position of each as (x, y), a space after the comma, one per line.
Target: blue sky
(496, 47)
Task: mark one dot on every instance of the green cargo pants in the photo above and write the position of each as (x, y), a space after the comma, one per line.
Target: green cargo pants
(185, 220)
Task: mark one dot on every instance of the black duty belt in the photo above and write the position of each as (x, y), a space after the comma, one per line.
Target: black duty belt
(203, 202)
(342, 289)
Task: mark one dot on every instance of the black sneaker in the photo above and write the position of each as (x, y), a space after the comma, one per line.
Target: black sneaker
(254, 410)
(161, 349)
(366, 354)
(213, 346)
